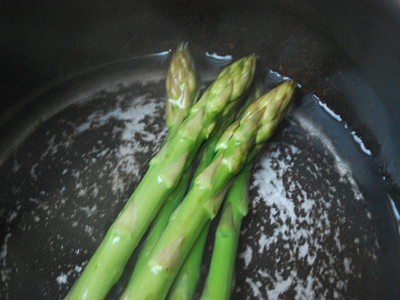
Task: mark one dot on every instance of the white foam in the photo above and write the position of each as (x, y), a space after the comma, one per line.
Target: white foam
(247, 256)
(62, 279)
(302, 221)
(4, 272)
(255, 286)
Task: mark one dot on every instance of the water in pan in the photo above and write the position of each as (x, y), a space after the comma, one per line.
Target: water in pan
(304, 241)
(309, 233)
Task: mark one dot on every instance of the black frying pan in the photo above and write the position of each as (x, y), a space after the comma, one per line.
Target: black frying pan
(323, 222)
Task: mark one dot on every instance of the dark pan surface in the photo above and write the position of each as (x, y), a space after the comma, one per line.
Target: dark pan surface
(320, 224)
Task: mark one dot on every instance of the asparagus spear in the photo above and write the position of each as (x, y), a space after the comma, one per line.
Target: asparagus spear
(182, 87)
(164, 173)
(184, 285)
(161, 220)
(182, 91)
(206, 154)
(220, 280)
(202, 201)
(199, 206)
(188, 277)
(175, 198)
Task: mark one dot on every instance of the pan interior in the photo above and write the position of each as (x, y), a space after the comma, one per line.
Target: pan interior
(316, 229)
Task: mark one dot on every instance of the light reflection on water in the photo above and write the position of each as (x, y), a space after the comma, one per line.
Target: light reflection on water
(396, 212)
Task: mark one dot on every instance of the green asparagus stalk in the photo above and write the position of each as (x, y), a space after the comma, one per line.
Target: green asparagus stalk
(184, 285)
(161, 220)
(202, 201)
(206, 154)
(163, 175)
(175, 198)
(220, 280)
(182, 89)
(182, 86)
(199, 206)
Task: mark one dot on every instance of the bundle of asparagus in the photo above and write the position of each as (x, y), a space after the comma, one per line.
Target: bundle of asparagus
(225, 136)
